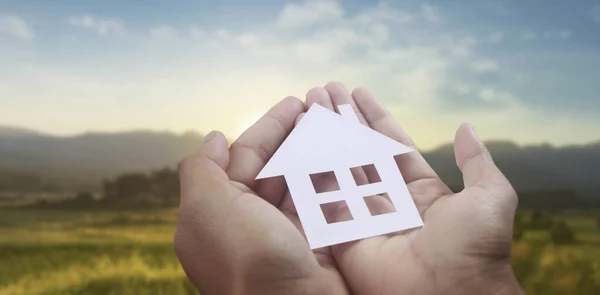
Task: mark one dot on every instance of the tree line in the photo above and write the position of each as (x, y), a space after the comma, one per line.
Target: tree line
(160, 188)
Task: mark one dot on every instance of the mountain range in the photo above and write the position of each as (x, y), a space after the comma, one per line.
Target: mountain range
(84, 160)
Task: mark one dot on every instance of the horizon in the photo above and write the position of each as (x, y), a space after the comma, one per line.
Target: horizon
(490, 141)
(69, 68)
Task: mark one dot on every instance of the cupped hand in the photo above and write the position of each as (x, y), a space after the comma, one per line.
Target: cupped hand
(231, 237)
(237, 235)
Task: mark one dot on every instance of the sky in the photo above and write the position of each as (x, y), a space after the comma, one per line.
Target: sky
(526, 70)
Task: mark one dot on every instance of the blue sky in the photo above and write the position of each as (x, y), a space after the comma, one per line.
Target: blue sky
(520, 70)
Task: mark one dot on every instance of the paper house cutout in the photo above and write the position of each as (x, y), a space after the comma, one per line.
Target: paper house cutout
(325, 141)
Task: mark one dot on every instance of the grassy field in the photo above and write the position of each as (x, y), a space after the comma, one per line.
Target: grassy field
(574, 269)
(66, 252)
(49, 252)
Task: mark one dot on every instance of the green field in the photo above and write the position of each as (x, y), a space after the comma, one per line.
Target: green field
(66, 252)
(71, 252)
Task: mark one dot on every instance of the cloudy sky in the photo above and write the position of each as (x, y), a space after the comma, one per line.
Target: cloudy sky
(526, 70)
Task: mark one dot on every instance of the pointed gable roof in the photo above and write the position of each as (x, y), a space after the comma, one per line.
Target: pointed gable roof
(324, 140)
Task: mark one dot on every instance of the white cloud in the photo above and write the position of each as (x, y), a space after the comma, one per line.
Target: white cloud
(217, 76)
(561, 34)
(463, 89)
(529, 35)
(420, 86)
(495, 37)
(166, 31)
(15, 26)
(565, 34)
(464, 46)
(101, 25)
(497, 6)
(492, 95)
(330, 12)
(430, 13)
(197, 33)
(596, 13)
(309, 13)
(484, 66)
(383, 12)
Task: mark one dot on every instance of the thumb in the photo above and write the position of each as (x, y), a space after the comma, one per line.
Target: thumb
(474, 160)
(204, 192)
(215, 149)
(205, 167)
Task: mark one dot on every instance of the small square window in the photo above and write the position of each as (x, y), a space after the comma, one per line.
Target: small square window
(365, 174)
(380, 204)
(325, 182)
(336, 212)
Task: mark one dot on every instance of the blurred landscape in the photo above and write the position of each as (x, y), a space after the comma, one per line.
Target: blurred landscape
(96, 97)
(95, 213)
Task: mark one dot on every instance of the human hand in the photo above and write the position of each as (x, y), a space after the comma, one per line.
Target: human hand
(239, 236)
(233, 235)
(464, 246)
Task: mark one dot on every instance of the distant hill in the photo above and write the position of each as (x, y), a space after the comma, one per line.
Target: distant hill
(530, 168)
(9, 131)
(86, 159)
(118, 152)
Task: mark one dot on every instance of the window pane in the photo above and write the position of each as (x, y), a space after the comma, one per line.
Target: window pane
(365, 174)
(325, 182)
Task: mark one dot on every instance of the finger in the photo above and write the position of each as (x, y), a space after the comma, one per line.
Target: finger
(480, 172)
(319, 96)
(340, 95)
(474, 160)
(298, 119)
(413, 165)
(204, 168)
(251, 151)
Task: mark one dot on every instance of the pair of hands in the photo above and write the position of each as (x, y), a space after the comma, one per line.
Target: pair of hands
(237, 235)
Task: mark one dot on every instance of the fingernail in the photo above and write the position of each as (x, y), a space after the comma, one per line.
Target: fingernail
(209, 137)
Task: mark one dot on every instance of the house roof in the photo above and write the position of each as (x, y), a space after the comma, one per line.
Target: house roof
(324, 140)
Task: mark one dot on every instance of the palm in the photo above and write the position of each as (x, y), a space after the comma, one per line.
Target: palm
(429, 260)
(285, 247)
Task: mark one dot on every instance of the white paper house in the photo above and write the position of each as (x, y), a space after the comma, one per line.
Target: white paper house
(325, 141)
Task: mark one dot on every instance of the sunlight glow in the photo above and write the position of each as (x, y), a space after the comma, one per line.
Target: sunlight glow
(244, 123)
